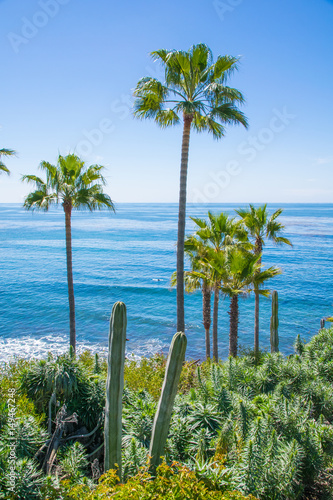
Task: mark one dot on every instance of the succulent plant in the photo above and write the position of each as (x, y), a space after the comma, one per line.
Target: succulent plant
(165, 405)
(114, 388)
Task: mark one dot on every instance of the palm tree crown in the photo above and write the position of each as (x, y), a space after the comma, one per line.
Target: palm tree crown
(261, 226)
(5, 152)
(75, 185)
(194, 87)
(242, 272)
(220, 231)
(70, 182)
(194, 91)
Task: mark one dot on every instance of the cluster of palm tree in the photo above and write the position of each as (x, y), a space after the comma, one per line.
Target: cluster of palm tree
(225, 255)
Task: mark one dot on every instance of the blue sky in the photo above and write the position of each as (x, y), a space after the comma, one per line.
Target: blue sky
(69, 68)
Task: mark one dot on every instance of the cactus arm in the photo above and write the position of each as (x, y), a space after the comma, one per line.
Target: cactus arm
(165, 405)
(275, 323)
(114, 388)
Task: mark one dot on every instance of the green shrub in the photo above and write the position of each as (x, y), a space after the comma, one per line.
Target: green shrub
(174, 482)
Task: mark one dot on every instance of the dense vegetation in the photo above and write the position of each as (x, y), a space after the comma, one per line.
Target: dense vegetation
(260, 426)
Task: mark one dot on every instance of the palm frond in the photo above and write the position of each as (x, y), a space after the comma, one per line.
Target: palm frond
(3, 168)
(39, 199)
(5, 152)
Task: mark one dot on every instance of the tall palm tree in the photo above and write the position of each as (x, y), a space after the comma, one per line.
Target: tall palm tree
(195, 92)
(218, 234)
(261, 227)
(5, 152)
(241, 273)
(75, 186)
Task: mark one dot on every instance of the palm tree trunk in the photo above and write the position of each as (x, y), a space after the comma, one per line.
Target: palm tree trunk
(233, 336)
(206, 293)
(257, 251)
(181, 223)
(256, 321)
(215, 322)
(67, 205)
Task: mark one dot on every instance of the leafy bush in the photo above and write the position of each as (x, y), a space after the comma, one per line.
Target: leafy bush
(73, 461)
(26, 483)
(174, 482)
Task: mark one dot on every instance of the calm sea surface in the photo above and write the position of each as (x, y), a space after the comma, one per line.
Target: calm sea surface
(130, 257)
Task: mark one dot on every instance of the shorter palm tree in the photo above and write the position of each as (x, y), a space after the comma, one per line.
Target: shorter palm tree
(76, 186)
(261, 226)
(240, 274)
(5, 152)
(199, 278)
(194, 280)
(219, 233)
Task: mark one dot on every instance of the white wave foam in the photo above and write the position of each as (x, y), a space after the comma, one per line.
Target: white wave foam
(29, 347)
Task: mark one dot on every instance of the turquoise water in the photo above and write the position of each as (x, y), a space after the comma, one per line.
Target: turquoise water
(130, 256)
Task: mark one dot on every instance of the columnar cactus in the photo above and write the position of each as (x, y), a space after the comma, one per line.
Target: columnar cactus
(114, 388)
(165, 405)
(275, 323)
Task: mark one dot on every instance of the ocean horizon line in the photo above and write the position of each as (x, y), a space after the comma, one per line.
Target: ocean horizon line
(197, 204)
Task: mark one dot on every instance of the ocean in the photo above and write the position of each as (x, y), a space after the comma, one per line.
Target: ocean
(129, 256)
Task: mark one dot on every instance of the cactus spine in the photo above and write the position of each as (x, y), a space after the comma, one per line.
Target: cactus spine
(165, 405)
(275, 323)
(114, 388)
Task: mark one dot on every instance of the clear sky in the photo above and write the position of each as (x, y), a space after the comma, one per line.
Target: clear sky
(68, 68)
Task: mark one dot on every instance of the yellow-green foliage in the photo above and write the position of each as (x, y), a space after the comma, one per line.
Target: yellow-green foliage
(10, 375)
(10, 380)
(148, 374)
(87, 363)
(174, 482)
